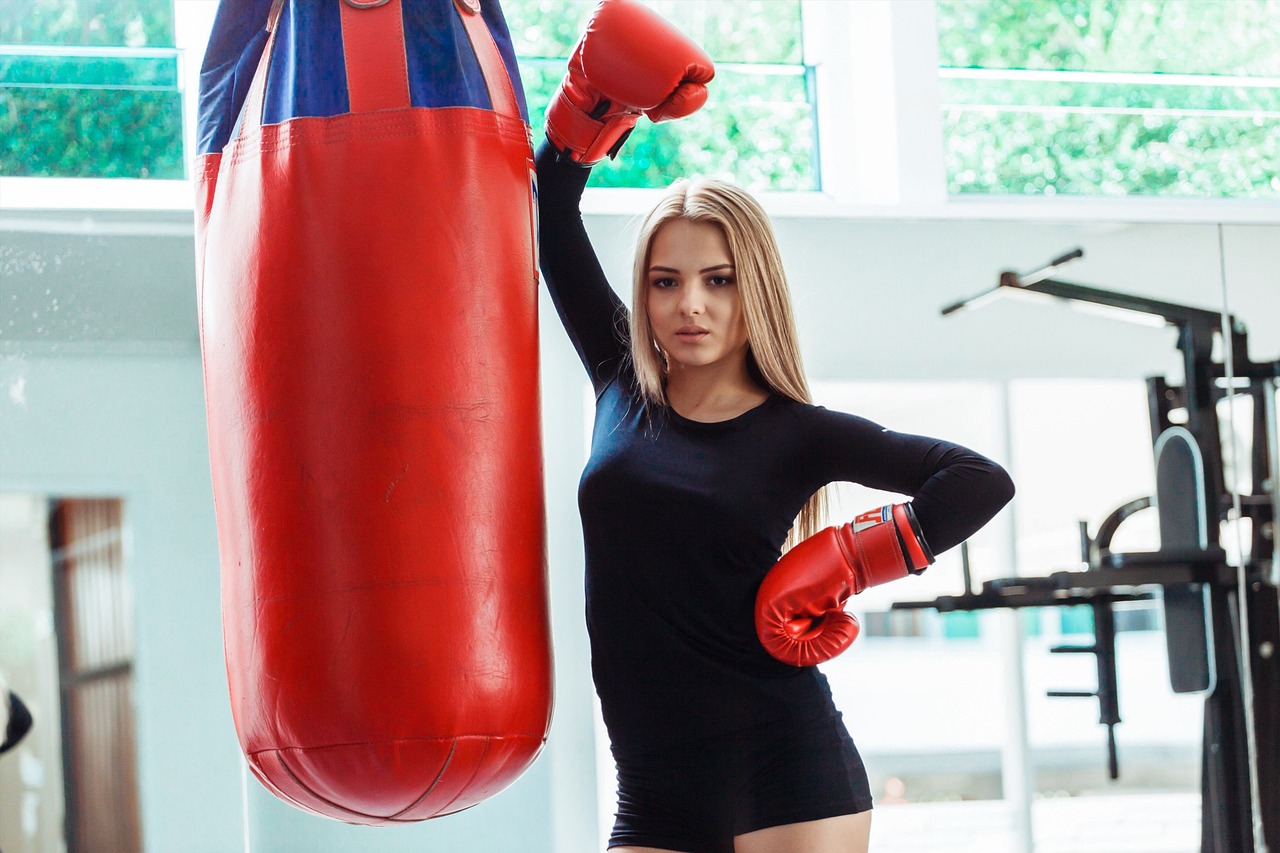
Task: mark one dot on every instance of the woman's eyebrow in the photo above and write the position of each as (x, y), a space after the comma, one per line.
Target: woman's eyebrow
(708, 269)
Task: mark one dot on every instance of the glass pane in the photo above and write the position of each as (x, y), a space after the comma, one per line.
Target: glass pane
(885, 687)
(755, 31)
(98, 133)
(89, 89)
(751, 31)
(545, 29)
(113, 23)
(757, 128)
(1071, 464)
(1179, 36)
(1099, 153)
(1160, 97)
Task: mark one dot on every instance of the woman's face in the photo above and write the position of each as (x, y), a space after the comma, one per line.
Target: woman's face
(693, 302)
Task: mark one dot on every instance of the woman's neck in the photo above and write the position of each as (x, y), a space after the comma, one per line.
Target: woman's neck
(713, 393)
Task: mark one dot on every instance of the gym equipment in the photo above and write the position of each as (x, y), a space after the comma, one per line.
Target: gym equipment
(368, 296)
(1205, 599)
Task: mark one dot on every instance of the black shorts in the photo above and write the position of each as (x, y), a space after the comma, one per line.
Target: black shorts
(697, 796)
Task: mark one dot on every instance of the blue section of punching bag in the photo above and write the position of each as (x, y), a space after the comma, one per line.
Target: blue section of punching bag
(235, 43)
(308, 73)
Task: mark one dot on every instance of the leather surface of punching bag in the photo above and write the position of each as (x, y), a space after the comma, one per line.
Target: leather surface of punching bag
(368, 327)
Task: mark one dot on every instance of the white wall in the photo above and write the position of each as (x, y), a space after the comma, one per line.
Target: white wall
(78, 417)
(134, 427)
(868, 293)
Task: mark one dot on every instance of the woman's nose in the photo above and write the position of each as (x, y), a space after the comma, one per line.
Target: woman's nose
(692, 300)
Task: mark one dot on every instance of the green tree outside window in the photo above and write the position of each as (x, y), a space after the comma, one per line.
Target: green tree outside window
(757, 128)
(85, 93)
(89, 88)
(1111, 97)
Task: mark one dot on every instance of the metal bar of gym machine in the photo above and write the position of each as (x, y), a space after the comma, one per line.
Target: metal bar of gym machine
(1179, 572)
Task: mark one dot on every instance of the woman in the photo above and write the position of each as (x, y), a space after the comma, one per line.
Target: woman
(707, 459)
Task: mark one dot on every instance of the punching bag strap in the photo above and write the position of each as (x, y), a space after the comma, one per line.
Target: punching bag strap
(496, 79)
(250, 117)
(373, 49)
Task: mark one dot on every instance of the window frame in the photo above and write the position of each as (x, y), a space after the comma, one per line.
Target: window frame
(880, 144)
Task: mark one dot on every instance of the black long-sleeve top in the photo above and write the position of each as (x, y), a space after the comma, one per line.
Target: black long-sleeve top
(682, 519)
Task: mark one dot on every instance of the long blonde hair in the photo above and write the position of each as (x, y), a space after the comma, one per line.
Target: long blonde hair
(773, 349)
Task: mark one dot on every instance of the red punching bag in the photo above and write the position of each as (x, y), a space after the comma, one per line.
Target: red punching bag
(367, 316)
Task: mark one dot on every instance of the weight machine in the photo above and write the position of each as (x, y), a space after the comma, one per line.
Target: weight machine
(1201, 591)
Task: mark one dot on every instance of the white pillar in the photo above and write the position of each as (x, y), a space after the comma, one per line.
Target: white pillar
(880, 128)
(1015, 757)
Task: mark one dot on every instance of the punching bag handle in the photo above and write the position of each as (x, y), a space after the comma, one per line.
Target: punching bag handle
(373, 49)
(377, 69)
(501, 93)
(250, 118)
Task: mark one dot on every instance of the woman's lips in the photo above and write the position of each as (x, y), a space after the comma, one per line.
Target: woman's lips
(690, 334)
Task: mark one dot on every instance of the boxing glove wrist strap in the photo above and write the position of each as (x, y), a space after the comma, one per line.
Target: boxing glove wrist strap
(587, 139)
(884, 544)
(919, 554)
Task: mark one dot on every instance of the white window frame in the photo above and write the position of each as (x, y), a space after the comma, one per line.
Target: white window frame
(879, 136)
(192, 23)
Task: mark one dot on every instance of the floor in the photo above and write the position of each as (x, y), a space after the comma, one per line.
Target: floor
(1129, 823)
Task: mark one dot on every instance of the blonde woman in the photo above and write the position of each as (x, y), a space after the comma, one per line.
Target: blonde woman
(707, 465)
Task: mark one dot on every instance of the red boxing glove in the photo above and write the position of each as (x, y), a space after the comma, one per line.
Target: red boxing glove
(630, 60)
(800, 615)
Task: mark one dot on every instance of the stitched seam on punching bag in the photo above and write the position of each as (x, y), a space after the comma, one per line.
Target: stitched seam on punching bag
(347, 124)
(206, 167)
(448, 759)
(324, 135)
(296, 140)
(516, 736)
(408, 118)
(488, 741)
(419, 117)
(338, 132)
(474, 774)
(318, 797)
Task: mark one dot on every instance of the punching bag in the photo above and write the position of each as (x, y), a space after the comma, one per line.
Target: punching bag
(365, 258)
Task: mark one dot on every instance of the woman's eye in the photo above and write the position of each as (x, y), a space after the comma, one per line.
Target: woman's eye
(720, 281)
(663, 282)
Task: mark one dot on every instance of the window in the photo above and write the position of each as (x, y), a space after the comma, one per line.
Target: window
(67, 648)
(1158, 97)
(758, 127)
(964, 412)
(90, 90)
(1068, 464)
(93, 609)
